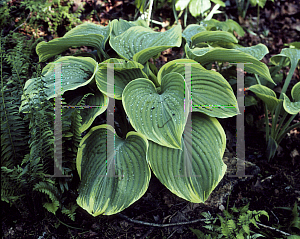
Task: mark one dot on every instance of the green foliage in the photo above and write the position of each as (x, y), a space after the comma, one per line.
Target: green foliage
(53, 13)
(5, 12)
(52, 192)
(136, 44)
(234, 224)
(34, 13)
(14, 71)
(69, 210)
(27, 139)
(282, 107)
(242, 5)
(199, 9)
(291, 218)
(151, 102)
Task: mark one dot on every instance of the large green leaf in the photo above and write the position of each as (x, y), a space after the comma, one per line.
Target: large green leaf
(120, 26)
(228, 25)
(86, 34)
(91, 28)
(203, 152)
(123, 74)
(75, 72)
(258, 51)
(211, 93)
(208, 54)
(160, 116)
(100, 193)
(192, 30)
(213, 36)
(140, 44)
(266, 95)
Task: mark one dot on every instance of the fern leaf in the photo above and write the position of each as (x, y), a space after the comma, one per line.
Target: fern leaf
(51, 207)
(48, 189)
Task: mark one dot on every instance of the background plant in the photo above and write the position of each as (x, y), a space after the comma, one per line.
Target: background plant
(233, 225)
(282, 107)
(198, 9)
(291, 218)
(242, 6)
(34, 14)
(27, 139)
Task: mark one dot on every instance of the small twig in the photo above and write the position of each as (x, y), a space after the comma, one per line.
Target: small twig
(275, 216)
(274, 229)
(172, 233)
(162, 225)
(177, 212)
(20, 25)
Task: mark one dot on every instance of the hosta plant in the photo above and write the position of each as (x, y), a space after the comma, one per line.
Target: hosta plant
(280, 108)
(156, 105)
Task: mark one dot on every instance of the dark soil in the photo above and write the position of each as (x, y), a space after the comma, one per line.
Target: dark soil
(277, 184)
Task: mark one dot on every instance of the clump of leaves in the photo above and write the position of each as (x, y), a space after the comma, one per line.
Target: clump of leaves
(33, 14)
(180, 140)
(283, 110)
(234, 224)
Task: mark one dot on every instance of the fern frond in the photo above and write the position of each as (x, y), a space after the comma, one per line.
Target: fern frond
(70, 210)
(11, 177)
(49, 189)
(51, 207)
(14, 132)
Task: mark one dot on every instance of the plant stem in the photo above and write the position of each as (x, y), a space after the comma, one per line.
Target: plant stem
(150, 10)
(179, 15)
(267, 123)
(174, 11)
(286, 129)
(257, 79)
(285, 86)
(185, 16)
(288, 79)
(257, 26)
(280, 124)
(266, 114)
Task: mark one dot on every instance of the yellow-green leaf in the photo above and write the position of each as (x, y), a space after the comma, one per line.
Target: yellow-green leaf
(140, 44)
(203, 152)
(160, 116)
(100, 193)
